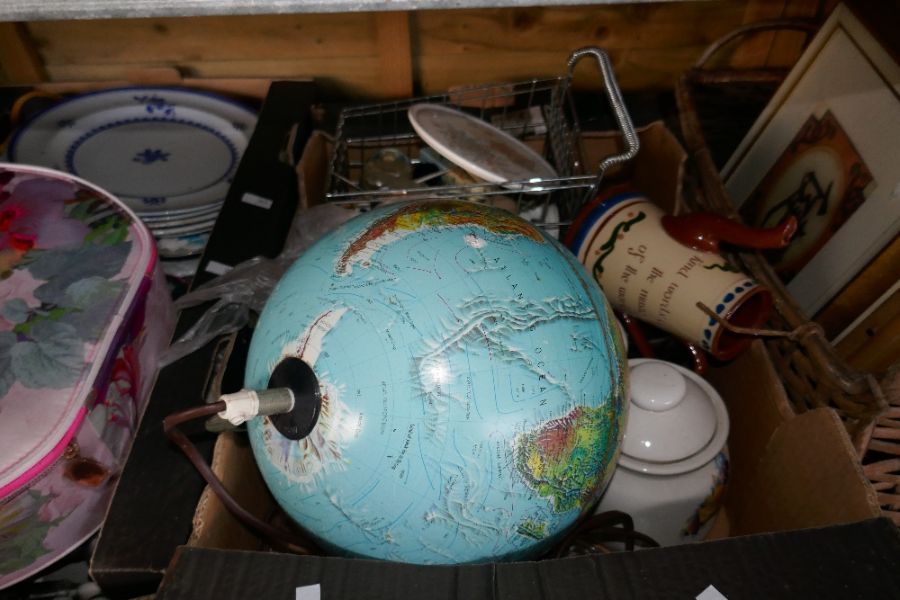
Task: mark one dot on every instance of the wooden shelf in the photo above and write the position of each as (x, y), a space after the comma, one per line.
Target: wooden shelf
(39, 10)
(372, 49)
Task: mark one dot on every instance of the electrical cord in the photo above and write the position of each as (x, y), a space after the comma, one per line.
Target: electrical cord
(591, 535)
(588, 536)
(170, 427)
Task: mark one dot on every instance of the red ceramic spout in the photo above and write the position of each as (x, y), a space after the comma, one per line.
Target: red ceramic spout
(705, 231)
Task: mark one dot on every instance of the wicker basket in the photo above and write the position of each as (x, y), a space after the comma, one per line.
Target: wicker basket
(812, 373)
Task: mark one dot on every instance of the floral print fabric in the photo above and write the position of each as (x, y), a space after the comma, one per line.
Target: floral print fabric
(75, 270)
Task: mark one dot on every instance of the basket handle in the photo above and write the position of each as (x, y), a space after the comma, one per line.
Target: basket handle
(614, 96)
(759, 26)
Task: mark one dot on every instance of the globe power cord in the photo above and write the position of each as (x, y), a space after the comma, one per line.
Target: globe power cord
(293, 403)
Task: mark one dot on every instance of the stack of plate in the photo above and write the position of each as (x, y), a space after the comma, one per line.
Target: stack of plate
(168, 153)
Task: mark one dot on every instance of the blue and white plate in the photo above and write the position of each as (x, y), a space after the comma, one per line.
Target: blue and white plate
(157, 149)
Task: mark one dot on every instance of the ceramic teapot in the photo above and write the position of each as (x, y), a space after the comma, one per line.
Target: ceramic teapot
(673, 468)
(657, 268)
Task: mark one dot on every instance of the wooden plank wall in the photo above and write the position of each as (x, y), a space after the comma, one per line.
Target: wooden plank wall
(383, 55)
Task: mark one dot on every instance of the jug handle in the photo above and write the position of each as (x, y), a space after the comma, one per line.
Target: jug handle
(705, 231)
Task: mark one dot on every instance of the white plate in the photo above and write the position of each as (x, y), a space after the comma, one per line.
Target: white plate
(177, 214)
(180, 160)
(167, 225)
(163, 225)
(176, 218)
(180, 230)
(133, 142)
(477, 146)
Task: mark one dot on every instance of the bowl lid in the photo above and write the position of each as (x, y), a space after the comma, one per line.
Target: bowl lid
(676, 422)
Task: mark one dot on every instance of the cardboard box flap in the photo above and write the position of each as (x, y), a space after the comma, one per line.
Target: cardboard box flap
(786, 471)
(842, 491)
(813, 563)
(757, 406)
(213, 525)
(312, 170)
(657, 171)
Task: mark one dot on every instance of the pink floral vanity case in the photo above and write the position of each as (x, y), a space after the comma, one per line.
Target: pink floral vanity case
(84, 315)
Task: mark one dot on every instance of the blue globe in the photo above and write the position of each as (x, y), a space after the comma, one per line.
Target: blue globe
(472, 386)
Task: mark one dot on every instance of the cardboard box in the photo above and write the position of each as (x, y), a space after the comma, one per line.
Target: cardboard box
(788, 472)
(861, 560)
(795, 483)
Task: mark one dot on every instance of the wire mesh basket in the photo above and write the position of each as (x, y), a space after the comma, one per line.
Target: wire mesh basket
(541, 113)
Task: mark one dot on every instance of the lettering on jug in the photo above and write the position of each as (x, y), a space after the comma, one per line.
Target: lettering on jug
(642, 301)
(664, 309)
(690, 264)
(627, 273)
(640, 253)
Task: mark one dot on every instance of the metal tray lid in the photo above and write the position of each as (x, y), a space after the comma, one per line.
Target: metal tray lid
(74, 261)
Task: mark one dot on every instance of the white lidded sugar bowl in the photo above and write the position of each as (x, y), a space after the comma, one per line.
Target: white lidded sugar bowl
(673, 467)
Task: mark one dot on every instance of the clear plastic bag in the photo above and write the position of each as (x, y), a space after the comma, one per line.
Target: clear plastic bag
(242, 292)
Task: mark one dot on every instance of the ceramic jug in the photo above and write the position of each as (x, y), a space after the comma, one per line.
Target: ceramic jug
(673, 468)
(657, 268)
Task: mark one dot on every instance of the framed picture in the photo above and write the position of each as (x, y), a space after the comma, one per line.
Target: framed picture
(826, 150)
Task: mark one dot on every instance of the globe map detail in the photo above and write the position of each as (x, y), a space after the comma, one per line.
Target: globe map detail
(472, 386)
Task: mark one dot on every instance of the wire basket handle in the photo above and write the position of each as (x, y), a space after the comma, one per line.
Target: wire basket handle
(614, 96)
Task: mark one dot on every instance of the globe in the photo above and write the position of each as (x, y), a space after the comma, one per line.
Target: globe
(472, 385)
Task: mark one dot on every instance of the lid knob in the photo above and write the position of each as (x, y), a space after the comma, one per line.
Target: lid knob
(657, 386)
(673, 416)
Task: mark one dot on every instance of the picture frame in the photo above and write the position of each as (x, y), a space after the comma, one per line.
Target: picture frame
(825, 150)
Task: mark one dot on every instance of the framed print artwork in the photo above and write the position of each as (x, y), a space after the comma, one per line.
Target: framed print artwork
(827, 150)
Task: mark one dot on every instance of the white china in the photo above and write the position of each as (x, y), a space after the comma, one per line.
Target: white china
(476, 146)
(200, 227)
(177, 214)
(182, 160)
(673, 467)
(155, 148)
(157, 223)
